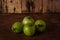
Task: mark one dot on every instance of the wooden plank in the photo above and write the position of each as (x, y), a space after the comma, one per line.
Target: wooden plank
(52, 31)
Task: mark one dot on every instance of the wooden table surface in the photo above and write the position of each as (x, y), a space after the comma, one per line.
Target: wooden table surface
(52, 29)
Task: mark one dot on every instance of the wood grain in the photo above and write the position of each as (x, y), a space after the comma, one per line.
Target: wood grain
(52, 30)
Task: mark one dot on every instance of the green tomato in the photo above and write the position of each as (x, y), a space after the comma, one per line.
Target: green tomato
(29, 30)
(40, 25)
(28, 20)
(17, 27)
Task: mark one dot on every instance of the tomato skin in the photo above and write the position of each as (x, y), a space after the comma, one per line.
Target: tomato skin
(40, 25)
(29, 30)
(17, 27)
(28, 20)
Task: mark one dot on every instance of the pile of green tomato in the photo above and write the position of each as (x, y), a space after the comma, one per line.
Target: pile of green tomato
(29, 26)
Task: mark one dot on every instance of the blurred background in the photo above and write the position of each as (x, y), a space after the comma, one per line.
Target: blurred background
(19, 6)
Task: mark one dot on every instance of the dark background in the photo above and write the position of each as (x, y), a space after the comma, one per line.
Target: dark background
(52, 31)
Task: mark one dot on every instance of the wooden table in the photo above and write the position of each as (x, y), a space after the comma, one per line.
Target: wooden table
(52, 29)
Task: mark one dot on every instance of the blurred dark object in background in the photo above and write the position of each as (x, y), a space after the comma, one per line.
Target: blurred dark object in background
(0, 6)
